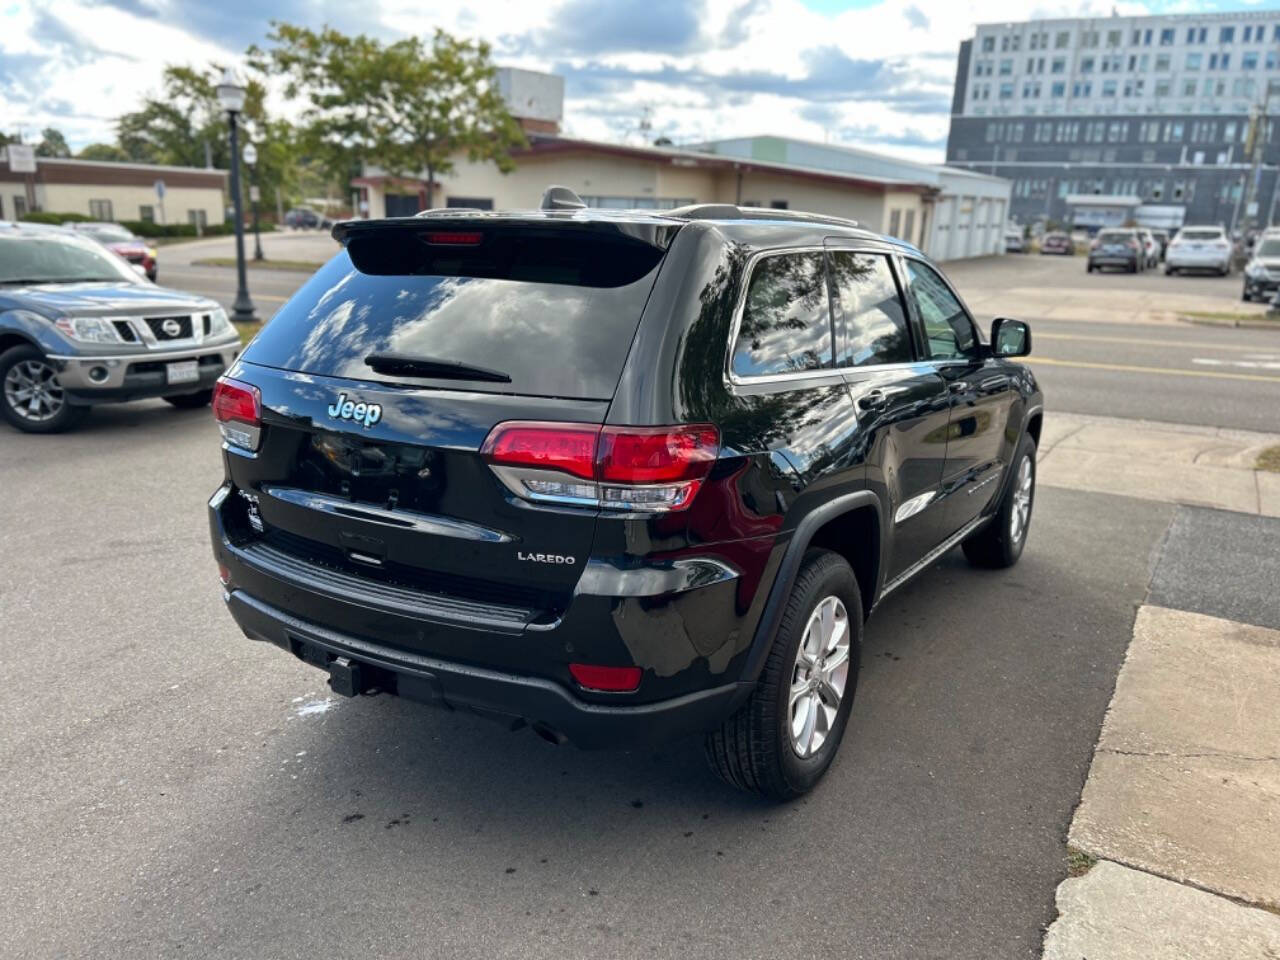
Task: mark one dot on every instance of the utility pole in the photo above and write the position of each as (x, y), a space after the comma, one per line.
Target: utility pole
(1258, 124)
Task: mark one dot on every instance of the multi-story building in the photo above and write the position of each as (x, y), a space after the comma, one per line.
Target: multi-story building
(1100, 120)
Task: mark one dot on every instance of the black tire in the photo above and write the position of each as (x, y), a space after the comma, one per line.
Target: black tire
(753, 749)
(1088, 267)
(190, 401)
(1170, 271)
(996, 545)
(66, 415)
(1133, 267)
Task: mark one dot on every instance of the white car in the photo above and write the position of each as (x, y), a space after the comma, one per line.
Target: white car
(1199, 248)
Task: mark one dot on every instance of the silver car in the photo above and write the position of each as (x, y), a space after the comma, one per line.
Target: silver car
(79, 326)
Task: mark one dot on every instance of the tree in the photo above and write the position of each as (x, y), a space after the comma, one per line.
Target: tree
(186, 126)
(409, 107)
(52, 144)
(102, 151)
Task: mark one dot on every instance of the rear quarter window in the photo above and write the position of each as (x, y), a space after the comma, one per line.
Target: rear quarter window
(786, 317)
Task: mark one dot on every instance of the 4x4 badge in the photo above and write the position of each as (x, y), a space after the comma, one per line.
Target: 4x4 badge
(365, 413)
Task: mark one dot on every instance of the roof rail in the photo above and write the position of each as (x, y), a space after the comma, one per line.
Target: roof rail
(729, 211)
(447, 211)
(561, 198)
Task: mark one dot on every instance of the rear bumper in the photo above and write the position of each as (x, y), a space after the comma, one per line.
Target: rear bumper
(541, 703)
(1102, 260)
(1183, 261)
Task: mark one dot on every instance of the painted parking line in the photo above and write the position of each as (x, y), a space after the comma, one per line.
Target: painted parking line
(1162, 371)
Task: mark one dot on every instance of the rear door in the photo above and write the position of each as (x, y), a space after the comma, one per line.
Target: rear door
(980, 392)
(902, 405)
(374, 466)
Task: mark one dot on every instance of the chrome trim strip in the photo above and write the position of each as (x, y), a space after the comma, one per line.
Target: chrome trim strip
(601, 578)
(909, 508)
(929, 558)
(409, 519)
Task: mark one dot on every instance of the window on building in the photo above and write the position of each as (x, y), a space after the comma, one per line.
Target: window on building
(1194, 60)
(1173, 131)
(1166, 37)
(147, 213)
(1248, 34)
(1229, 131)
(1108, 88)
(1163, 62)
(870, 313)
(1224, 157)
(786, 325)
(1058, 90)
(1227, 35)
(1271, 56)
(1225, 61)
(1086, 64)
(1089, 39)
(1031, 90)
(198, 219)
(100, 210)
(1188, 88)
(948, 330)
(1006, 91)
(1059, 65)
(1062, 40)
(1082, 89)
(777, 204)
(1179, 189)
(1162, 88)
(19, 207)
(1136, 38)
(1197, 158)
(1148, 156)
(1276, 34)
(1006, 68)
(1114, 37)
(988, 44)
(1157, 190)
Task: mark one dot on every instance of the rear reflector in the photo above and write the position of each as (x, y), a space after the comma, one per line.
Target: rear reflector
(635, 469)
(607, 679)
(224, 574)
(238, 409)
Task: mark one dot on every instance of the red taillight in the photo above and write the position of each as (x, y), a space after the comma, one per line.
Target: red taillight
(650, 469)
(657, 454)
(238, 409)
(549, 446)
(607, 679)
(454, 238)
(224, 574)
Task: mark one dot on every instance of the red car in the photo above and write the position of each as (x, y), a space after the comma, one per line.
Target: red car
(120, 241)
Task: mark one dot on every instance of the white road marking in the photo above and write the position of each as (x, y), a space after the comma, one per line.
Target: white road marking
(1242, 364)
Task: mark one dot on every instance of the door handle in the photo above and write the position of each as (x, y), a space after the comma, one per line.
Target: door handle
(873, 400)
(959, 386)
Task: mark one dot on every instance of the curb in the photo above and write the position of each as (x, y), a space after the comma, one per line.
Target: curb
(1241, 323)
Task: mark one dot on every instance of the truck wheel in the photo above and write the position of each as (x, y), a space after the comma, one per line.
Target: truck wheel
(781, 741)
(190, 401)
(30, 397)
(1000, 542)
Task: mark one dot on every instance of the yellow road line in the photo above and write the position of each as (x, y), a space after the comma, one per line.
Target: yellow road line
(1166, 371)
(1139, 341)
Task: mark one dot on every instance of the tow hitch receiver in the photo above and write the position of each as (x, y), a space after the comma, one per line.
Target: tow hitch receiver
(345, 677)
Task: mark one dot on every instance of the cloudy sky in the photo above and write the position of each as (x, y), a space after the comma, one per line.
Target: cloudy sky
(874, 73)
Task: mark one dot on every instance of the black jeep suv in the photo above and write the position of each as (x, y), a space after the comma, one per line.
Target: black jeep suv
(617, 475)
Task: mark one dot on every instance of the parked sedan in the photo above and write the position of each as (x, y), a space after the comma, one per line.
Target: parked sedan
(1199, 248)
(78, 326)
(121, 241)
(1059, 243)
(1117, 248)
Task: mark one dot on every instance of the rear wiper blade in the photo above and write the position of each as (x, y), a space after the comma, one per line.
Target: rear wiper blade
(399, 364)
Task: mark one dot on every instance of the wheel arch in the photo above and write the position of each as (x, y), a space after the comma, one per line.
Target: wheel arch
(834, 526)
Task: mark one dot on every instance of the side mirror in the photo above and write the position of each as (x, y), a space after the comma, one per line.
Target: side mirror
(1010, 338)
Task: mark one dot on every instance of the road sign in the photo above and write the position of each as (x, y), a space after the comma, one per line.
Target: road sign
(22, 158)
(160, 189)
(254, 194)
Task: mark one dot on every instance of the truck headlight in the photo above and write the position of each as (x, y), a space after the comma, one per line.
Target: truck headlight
(88, 329)
(218, 322)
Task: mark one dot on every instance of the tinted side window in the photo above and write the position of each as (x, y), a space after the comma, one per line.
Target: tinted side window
(871, 312)
(947, 328)
(786, 320)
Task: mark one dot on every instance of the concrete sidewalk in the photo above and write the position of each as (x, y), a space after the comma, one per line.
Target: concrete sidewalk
(1182, 804)
(1175, 463)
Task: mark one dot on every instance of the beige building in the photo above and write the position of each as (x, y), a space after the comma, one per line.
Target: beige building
(611, 175)
(114, 191)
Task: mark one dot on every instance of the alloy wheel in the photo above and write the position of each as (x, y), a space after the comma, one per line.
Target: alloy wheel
(819, 677)
(32, 392)
(1020, 515)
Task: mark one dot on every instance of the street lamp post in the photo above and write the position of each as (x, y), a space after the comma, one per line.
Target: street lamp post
(231, 96)
(251, 159)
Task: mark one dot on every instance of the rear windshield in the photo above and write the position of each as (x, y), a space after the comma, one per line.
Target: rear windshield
(1114, 236)
(557, 324)
(1200, 235)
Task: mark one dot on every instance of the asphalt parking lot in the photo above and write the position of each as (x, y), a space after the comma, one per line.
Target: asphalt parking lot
(174, 789)
(177, 789)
